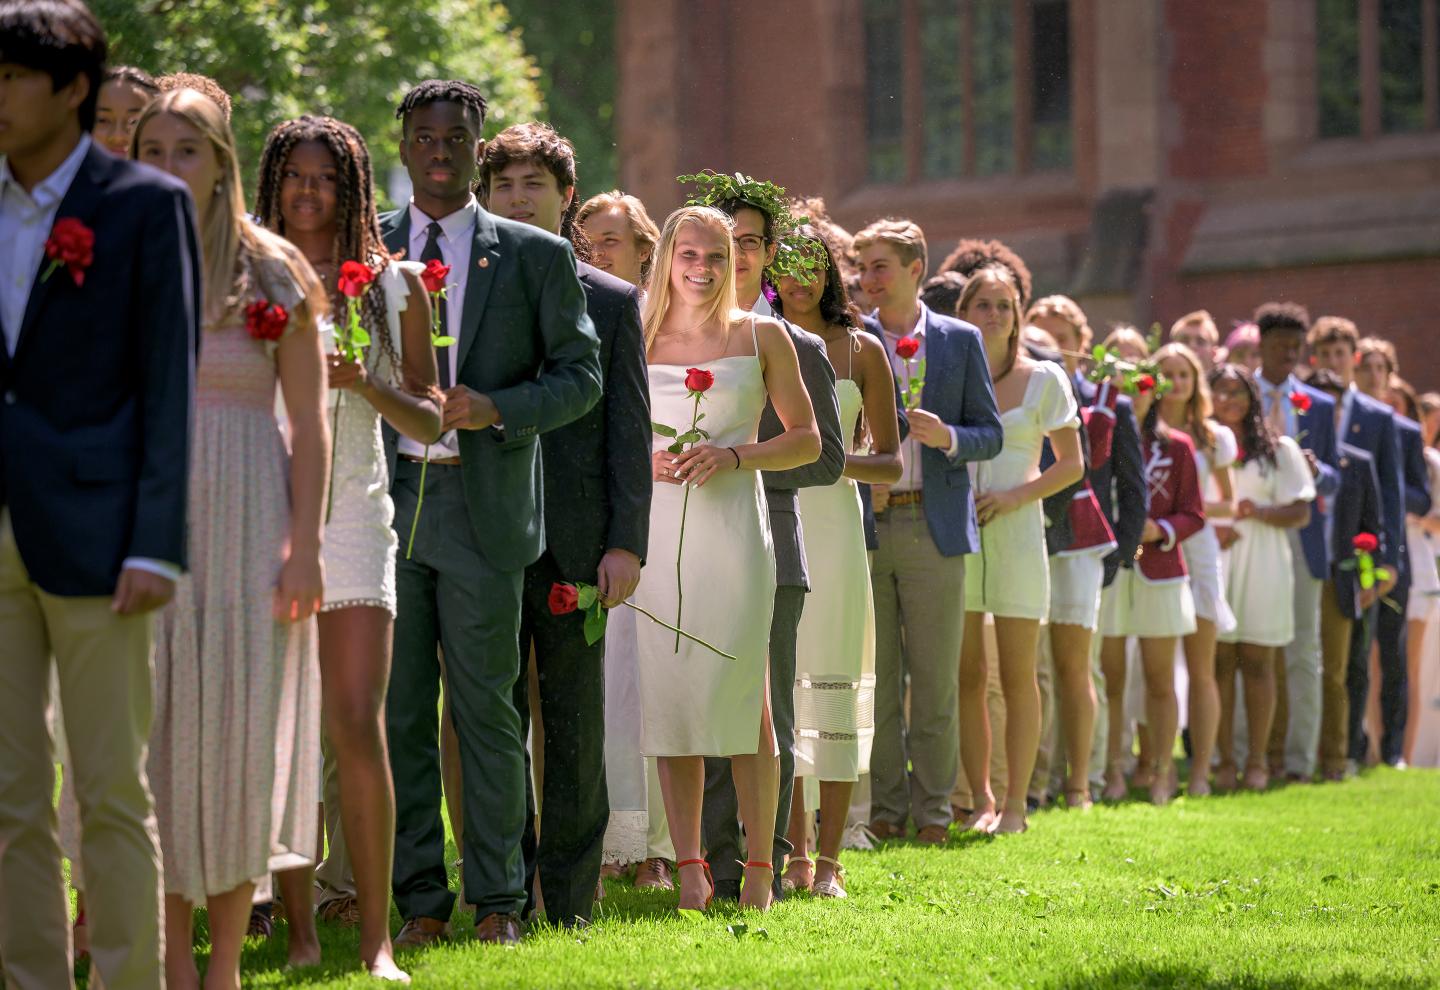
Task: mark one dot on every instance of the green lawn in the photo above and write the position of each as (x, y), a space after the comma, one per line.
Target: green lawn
(1326, 885)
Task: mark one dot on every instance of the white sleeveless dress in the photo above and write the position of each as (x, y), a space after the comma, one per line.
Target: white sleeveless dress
(693, 701)
(360, 541)
(835, 658)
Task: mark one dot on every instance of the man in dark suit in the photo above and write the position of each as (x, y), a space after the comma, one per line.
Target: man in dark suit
(1357, 510)
(97, 374)
(526, 361)
(755, 248)
(924, 532)
(1376, 363)
(597, 522)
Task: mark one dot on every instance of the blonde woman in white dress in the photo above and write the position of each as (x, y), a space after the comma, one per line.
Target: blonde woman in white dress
(835, 655)
(1010, 577)
(694, 702)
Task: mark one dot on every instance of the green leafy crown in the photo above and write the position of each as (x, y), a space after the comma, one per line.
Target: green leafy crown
(802, 258)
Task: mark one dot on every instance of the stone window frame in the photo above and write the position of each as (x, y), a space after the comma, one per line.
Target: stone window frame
(912, 99)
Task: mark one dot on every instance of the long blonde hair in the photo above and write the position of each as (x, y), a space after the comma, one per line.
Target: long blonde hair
(657, 298)
(1002, 276)
(1199, 407)
(226, 232)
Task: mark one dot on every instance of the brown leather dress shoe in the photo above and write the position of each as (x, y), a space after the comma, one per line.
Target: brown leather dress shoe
(498, 929)
(933, 835)
(341, 911)
(886, 830)
(654, 874)
(421, 933)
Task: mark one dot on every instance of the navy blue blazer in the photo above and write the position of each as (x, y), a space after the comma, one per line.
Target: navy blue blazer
(1119, 483)
(1416, 491)
(99, 395)
(1357, 510)
(958, 390)
(1315, 432)
(1371, 427)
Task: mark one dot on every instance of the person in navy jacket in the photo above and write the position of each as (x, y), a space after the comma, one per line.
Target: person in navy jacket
(1306, 415)
(1376, 363)
(926, 527)
(100, 312)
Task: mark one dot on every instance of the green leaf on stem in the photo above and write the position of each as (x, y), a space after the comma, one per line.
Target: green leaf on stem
(442, 341)
(586, 594)
(663, 430)
(676, 448)
(594, 624)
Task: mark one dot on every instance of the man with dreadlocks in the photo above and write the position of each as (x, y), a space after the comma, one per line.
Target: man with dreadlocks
(597, 517)
(526, 361)
(316, 190)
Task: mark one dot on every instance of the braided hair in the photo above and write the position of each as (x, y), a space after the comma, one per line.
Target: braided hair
(357, 227)
(1257, 441)
(443, 91)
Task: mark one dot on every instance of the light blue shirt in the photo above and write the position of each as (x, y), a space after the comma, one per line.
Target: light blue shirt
(1270, 394)
(25, 222)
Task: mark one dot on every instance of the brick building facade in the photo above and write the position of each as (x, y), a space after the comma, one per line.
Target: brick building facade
(1149, 157)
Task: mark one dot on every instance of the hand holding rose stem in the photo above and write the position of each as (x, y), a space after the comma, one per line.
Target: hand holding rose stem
(433, 278)
(351, 341)
(698, 381)
(566, 598)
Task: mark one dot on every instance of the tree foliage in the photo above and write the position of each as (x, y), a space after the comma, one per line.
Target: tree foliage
(352, 59)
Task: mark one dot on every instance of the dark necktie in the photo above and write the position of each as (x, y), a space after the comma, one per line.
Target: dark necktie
(432, 252)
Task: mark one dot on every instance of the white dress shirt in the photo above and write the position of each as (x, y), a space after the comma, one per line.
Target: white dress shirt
(912, 479)
(457, 233)
(25, 223)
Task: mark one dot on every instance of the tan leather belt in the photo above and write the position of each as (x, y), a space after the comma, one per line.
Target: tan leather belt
(904, 498)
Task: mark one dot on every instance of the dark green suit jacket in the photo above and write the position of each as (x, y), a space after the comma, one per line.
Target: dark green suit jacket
(525, 341)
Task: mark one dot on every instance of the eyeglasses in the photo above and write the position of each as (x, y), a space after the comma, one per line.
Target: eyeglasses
(750, 242)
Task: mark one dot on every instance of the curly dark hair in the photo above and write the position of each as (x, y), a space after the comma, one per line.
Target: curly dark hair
(203, 85)
(539, 143)
(1282, 316)
(443, 91)
(1257, 441)
(129, 75)
(942, 292)
(357, 227)
(972, 254)
(836, 306)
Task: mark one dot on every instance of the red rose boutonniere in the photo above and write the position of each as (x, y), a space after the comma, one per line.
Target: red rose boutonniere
(1299, 401)
(567, 598)
(698, 381)
(71, 244)
(265, 320)
(433, 279)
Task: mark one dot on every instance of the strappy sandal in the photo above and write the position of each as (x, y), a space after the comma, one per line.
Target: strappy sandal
(755, 864)
(790, 884)
(708, 879)
(833, 886)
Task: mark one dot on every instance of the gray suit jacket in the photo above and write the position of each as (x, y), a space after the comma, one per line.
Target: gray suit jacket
(782, 487)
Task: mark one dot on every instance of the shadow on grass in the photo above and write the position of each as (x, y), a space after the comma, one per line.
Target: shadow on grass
(1132, 975)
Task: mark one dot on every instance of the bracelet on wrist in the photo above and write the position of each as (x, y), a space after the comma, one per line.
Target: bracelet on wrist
(737, 457)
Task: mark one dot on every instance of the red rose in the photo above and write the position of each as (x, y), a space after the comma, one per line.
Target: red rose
(71, 244)
(354, 277)
(265, 320)
(434, 275)
(1365, 542)
(1299, 401)
(907, 347)
(1145, 383)
(564, 598)
(698, 380)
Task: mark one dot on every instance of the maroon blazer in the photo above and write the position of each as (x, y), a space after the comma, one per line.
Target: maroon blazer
(1176, 504)
(1088, 526)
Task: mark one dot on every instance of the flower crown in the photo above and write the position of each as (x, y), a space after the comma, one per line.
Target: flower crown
(802, 258)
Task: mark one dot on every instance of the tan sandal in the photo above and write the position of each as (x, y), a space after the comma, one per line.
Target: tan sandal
(833, 886)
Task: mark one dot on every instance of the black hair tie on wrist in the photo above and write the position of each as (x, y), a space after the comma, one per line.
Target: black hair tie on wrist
(737, 458)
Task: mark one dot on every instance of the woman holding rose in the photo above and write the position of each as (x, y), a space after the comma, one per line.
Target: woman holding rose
(707, 358)
(314, 172)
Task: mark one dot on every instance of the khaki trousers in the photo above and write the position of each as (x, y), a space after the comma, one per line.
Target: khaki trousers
(105, 677)
(919, 624)
(1335, 630)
